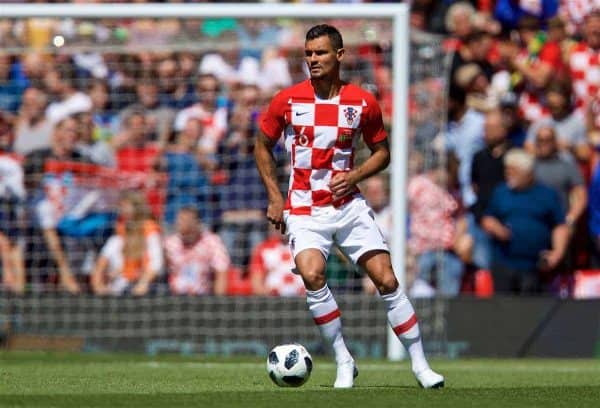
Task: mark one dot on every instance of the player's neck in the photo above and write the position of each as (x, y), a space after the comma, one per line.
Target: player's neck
(327, 88)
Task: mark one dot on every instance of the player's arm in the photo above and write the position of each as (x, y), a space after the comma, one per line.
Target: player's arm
(265, 162)
(343, 183)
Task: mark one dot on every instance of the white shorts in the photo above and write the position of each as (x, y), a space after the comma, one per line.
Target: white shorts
(352, 227)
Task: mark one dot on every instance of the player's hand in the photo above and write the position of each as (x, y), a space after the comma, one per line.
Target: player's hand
(275, 214)
(341, 185)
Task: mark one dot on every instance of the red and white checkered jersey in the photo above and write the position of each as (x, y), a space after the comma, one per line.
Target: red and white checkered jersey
(574, 11)
(584, 64)
(531, 107)
(432, 209)
(321, 136)
(272, 261)
(191, 268)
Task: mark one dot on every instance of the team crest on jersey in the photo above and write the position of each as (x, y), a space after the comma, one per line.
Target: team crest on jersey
(350, 113)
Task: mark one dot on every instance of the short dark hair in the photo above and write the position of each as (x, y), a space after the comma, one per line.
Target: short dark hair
(330, 31)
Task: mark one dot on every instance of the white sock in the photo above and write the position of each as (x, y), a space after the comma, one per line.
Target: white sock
(403, 320)
(326, 315)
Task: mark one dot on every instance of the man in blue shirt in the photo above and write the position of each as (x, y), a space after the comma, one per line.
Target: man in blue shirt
(527, 223)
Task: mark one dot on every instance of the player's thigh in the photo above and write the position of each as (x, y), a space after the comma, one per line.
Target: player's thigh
(310, 243)
(362, 241)
(358, 234)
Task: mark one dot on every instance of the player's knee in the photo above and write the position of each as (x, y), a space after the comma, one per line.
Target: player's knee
(313, 279)
(388, 284)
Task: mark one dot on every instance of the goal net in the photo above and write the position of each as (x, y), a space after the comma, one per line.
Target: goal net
(111, 118)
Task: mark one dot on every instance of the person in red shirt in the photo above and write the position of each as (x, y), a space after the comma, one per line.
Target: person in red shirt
(322, 119)
(536, 64)
(271, 266)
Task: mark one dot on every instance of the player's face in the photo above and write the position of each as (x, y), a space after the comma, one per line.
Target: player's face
(322, 60)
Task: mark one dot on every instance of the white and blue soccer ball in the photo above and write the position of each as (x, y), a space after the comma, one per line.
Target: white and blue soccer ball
(289, 365)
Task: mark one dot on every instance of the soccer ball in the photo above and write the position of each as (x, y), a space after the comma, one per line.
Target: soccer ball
(289, 365)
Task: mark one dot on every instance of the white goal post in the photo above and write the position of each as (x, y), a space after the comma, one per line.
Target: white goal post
(397, 13)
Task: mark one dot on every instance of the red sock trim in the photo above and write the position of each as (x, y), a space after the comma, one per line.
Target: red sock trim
(406, 326)
(328, 317)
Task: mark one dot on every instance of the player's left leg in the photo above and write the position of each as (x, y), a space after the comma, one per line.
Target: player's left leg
(310, 243)
(401, 315)
(361, 240)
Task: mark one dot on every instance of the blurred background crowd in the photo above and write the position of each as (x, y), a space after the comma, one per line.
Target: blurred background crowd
(126, 162)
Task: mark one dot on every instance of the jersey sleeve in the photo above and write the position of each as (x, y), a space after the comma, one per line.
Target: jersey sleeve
(272, 120)
(372, 127)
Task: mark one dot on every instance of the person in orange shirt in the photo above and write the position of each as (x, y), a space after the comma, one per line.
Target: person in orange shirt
(132, 258)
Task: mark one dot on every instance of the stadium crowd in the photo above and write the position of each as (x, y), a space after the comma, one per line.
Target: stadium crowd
(128, 169)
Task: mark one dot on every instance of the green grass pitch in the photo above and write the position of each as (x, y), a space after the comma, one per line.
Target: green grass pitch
(115, 380)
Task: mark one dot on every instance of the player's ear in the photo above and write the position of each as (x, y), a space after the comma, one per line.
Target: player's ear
(340, 54)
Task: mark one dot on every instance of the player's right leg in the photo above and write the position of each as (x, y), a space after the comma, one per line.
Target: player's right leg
(326, 314)
(310, 244)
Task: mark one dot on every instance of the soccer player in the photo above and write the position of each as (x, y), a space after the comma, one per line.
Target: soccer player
(321, 120)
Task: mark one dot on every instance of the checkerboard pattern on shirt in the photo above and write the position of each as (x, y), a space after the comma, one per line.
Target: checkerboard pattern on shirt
(321, 137)
(191, 268)
(584, 64)
(272, 261)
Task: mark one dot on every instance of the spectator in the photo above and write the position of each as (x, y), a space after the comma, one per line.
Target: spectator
(487, 172)
(12, 196)
(567, 124)
(243, 199)
(188, 184)
(174, 92)
(32, 131)
(35, 65)
(472, 79)
(529, 231)
(59, 81)
(594, 217)
(376, 194)
(12, 83)
(563, 176)
(135, 149)
(432, 208)
(510, 13)
(136, 156)
(509, 107)
(459, 19)
(158, 118)
(475, 50)
(105, 120)
(46, 200)
(584, 66)
(198, 261)
(132, 259)
(99, 151)
(271, 268)
(557, 33)
(209, 111)
(575, 11)
(538, 61)
(464, 139)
